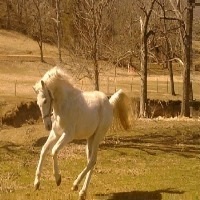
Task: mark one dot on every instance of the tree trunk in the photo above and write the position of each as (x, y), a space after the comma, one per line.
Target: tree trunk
(143, 83)
(8, 14)
(170, 66)
(96, 75)
(144, 59)
(96, 64)
(40, 37)
(171, 77)
(40, 43)
(95, 49)
(58, 29)
(41, 51)
(169, 54)
(185, 108)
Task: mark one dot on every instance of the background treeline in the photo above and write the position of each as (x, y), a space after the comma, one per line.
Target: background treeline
(125, 33)
(117, 21)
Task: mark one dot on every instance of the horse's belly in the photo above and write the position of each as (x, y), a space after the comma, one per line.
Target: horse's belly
(86, 129)
(87, 126)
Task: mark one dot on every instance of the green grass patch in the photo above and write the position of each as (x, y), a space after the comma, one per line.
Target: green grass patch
(157, 160)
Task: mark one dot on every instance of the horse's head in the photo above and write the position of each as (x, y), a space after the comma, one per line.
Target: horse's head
(44, 101)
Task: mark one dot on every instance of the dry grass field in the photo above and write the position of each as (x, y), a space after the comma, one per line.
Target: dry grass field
(157, 160)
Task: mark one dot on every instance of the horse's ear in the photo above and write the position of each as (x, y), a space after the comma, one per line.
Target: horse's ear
(42, 83)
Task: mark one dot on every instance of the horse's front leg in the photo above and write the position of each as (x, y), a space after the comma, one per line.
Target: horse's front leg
(47, 146)
(63, 140)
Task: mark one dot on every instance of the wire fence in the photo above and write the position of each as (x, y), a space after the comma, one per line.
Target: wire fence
(158, 87)
(16, 89)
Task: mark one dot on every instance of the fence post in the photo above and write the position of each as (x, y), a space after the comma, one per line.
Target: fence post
(131, 84)
(108, 86)
(157, 84)
(15, 88)
(82, 85)
(167, 86)
(115, 84)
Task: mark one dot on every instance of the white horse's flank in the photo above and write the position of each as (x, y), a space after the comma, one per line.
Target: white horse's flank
(76, 115)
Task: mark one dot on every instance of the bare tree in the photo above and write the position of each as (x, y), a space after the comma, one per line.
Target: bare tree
(168, 51)
(92, 26)
(186, 43)
(145, 33)
(40, 17)
(8, 10)
(15, 11)
(58, 28)
(38, 23)
(124, 46)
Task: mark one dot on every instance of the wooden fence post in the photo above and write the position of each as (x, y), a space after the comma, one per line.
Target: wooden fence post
(108, 86)
(115, 84)
(82, 85)
(131, 84)
(15, 88)
(157, 84)
(167, 85)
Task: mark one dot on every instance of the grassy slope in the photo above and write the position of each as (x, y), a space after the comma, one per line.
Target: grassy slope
(20, 63)
(13, 43)
(14, 68)
(157, 160)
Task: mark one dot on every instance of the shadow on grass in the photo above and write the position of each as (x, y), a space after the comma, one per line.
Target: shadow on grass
(186, 146)
(9, 146)
(40, 142)
(137, 195)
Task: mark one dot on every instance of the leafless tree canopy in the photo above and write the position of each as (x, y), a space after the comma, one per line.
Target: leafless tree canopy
(125, 33)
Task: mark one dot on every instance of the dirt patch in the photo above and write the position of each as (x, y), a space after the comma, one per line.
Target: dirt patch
(167, 109)
(160, 108)
(29, 113)
(23, 113)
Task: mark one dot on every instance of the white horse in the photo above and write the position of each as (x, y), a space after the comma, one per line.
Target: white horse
(76, 115)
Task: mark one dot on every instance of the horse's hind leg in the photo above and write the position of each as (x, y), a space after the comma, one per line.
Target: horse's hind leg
(91, 155)
(92, 148)
(47, 146)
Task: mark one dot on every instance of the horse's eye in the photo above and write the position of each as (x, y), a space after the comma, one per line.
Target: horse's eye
(45, 101)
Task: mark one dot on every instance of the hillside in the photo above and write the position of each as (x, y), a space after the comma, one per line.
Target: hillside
(157, 159)
(20, 63)
(20, 68)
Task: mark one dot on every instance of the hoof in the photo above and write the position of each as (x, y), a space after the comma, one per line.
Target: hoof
(37, 186)
(58, 182)
(74, 188)
(82, 196)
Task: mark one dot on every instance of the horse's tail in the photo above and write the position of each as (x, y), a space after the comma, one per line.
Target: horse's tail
(122, 110)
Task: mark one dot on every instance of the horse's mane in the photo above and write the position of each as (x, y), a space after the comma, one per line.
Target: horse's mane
(52, 77)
